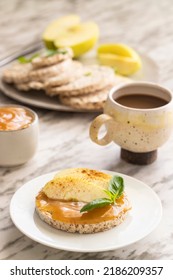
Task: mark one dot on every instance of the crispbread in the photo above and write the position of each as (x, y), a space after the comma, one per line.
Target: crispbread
(41, 74)
(74, 71)
(45, 60)
(17, 73)
(30, 85)
(93, 101)
(81, 228)
(95, 78)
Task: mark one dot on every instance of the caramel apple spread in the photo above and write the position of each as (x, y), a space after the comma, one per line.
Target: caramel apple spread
(14, 118)
(70, 211)
(79, 200)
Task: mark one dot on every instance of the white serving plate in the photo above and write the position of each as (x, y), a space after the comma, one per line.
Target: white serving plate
(144, 217)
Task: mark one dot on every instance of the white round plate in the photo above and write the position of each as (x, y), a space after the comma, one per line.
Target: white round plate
(142, 219)
(149, 72)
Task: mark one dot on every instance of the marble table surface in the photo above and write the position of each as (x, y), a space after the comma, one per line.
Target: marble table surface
(64, 142)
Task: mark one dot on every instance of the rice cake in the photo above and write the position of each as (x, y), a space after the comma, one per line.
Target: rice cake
(94, 79)
(46, 60)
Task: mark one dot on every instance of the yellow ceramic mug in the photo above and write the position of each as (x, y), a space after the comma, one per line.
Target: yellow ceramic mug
(133, 129)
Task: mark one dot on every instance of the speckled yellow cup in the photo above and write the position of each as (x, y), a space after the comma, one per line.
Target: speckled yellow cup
(135, 130)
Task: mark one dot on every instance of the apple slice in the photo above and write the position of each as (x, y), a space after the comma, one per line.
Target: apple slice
(69, 32)
(124, 59)
(81, 38)
(58, 27)
(78, 184)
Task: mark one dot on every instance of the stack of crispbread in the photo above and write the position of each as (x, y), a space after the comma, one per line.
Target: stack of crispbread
(76, 85)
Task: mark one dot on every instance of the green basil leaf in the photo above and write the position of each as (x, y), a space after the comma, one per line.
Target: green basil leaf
(120, 185)
(115, 190)
(121, 190)
(116, 186)
(97, 203)
(23, 59)
(110, 194)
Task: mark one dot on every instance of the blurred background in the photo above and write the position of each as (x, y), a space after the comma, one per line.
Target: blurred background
(145, 24)
(135, 22)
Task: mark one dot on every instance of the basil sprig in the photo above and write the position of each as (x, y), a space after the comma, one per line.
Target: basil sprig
(114, 191)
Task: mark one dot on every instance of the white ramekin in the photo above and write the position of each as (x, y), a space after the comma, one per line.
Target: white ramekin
(19, 146)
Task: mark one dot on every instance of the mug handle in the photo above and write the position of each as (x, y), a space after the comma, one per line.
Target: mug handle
(95, 127)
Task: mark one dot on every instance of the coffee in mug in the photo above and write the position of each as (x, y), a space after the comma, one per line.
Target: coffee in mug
(138, 117)
(141, 101)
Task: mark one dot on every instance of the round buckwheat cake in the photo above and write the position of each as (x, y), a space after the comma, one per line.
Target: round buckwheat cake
(81, 228)
(17, 73)
(95, 78)
(92, 101)
(60, 202)
(30, 85)
(45, 60)
(41, 74)
(74, 71)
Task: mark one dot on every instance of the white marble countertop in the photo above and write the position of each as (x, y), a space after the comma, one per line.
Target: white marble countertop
(64, 142)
